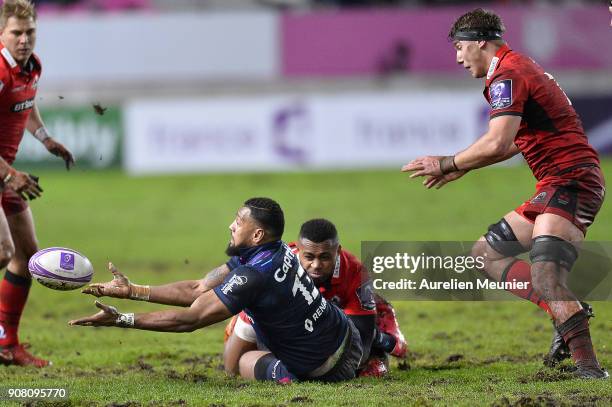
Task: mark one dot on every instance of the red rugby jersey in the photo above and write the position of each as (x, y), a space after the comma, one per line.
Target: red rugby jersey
(350, 287)
(551, 136)
(17, 92)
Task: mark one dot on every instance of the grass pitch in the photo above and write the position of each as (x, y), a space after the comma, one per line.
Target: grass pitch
(161, 229)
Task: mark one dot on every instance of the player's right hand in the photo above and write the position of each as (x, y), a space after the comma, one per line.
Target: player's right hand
(26, 185)
(118, 287)
(439, 181)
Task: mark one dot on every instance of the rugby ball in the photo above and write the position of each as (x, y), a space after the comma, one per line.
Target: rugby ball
(60, 268)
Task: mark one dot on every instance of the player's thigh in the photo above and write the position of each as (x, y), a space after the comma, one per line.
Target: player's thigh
(23, 234)
(549, 224)
(520, 227)
(248, 361)
(235, 347)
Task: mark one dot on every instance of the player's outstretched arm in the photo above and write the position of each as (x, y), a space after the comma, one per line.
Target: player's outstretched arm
(205, 310)
(180, 293)
(495, 146)
(37, 128)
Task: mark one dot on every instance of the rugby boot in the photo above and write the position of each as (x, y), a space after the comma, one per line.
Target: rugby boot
(387, 322)
(21, 357)
(376, 366)
(559, 351)
(591, 372)
(229, 328)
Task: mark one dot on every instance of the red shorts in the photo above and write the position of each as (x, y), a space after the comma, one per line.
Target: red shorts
(576, 195)
(12, 203)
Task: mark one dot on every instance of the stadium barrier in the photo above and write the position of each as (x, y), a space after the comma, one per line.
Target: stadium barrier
(268, 133)
(94, 139)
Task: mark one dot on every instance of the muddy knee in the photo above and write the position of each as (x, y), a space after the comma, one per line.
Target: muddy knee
(7, 252)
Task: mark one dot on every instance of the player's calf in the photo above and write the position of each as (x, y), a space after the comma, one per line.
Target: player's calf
(551, 256)
(500, 246)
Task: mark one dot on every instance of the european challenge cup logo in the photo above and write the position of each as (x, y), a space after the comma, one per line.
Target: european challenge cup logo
(66, 261)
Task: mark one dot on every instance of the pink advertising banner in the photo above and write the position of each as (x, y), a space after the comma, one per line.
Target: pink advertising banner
(364, 42)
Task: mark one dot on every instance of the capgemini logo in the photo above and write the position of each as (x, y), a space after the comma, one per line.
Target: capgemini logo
(289, 132)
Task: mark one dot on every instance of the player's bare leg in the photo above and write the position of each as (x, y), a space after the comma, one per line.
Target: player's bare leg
(554, 250)
(248, 361)
(263, 365)
(16, 285)
(234, 348)
(239, 338)
(504, 268)
(499, 246)
(7, 250)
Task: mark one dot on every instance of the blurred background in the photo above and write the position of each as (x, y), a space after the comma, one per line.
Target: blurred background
(192, 86)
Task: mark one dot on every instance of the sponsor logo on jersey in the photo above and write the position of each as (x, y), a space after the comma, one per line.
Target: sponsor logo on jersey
(2, 332)
(21, 106)
(500, 93)
(233, 282)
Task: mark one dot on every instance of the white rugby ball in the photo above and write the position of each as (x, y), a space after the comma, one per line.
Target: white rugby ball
(60, 268)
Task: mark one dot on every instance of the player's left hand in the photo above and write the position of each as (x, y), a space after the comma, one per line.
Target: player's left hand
(428, 165)
(106, 317)
(441, 180)
(59, 150)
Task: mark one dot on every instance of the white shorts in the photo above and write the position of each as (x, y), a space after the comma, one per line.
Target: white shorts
(245, 331)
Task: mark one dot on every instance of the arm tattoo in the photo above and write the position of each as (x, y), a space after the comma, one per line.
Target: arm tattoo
(216, 276)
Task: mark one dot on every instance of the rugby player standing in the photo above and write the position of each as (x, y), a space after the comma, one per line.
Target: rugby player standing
(530, 114)
(341, 279)
(20, 71)
(306, 337)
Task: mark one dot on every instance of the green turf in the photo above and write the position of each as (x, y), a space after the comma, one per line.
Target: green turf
(161, 229)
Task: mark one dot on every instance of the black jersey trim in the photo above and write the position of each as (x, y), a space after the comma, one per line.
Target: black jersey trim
(494, 115)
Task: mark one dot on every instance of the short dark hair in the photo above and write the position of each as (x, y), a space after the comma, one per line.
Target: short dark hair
(478, 20)
(268, 214)
(318, 231)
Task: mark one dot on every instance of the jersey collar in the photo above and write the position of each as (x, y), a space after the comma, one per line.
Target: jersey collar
(256, 254)
(499, 55)
(15, 67)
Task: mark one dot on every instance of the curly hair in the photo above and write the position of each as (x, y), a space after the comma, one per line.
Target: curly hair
(319, 231)
(478, 20)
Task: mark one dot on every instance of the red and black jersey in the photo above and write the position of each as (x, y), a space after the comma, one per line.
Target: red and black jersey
(551, 137)
(18, 87)
(350, 287)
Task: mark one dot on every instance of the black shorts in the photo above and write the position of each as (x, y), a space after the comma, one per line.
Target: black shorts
(271, 368)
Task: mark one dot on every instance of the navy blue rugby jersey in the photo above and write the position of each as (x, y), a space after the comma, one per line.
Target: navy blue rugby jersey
(291, 318)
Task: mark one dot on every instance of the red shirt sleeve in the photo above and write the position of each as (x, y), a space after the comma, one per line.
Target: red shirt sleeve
(507, 94)
(359, 292)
